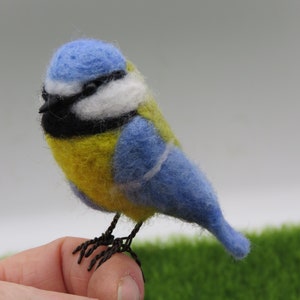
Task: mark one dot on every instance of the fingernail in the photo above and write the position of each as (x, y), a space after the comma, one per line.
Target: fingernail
(128, 289)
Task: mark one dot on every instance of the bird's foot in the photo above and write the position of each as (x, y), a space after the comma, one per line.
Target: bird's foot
(118, 245)
(114, 245)
(88, 247)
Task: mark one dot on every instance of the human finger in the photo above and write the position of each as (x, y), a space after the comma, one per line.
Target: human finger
(53, 267)
(14, 291)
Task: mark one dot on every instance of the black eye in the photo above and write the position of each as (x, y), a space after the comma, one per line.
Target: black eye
(89, 89)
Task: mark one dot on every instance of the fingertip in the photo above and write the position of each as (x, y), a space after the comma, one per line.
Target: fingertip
(128, 289)
(118, 278)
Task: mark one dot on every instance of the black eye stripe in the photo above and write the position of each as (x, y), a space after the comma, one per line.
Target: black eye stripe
(89, 88)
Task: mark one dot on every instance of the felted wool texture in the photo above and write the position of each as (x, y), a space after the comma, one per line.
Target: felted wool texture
(149, 109)
(85, 199)
(136, 166)
(114, 99)
(83, 60)
(67, 125)
(87, 163)
(177, 187)
(151, 112)
(55, 87)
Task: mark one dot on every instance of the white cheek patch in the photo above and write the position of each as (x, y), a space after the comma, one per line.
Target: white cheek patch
(115, 99)
(62, 88)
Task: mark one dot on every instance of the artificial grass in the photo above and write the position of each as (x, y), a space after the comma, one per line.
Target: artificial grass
(187, 268)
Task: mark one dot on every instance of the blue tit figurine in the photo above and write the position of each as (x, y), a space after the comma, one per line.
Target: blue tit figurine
(117, 151)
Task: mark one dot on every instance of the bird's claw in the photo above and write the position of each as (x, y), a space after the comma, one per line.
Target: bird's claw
(115, 245)
(88, 247)
(118, 245)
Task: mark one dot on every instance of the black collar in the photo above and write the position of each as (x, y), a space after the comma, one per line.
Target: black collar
(69, 125)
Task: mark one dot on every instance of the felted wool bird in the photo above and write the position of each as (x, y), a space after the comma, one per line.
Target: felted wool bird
(117, 151)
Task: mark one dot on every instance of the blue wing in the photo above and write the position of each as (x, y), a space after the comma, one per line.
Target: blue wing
(156, 174)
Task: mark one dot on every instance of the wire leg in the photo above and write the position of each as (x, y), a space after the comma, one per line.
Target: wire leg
(88, 247)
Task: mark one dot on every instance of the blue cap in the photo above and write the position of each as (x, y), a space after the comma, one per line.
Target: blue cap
(83, 60)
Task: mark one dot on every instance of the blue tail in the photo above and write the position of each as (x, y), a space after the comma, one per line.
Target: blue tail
(234, 242)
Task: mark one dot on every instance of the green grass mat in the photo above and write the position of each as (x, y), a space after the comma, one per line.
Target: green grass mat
(200, 269)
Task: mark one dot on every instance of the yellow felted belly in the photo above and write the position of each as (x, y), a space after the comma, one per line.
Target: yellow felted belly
(87, 163)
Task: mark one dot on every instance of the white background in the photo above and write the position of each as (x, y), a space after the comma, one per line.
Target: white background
(226, 75)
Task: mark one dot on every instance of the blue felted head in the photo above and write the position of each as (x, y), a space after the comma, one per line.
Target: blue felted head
(84, 60)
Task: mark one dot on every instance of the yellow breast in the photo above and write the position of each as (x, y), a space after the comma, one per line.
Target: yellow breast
(87, 162)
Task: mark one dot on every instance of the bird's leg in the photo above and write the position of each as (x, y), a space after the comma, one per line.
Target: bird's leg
(118, 245)
(104, 240)
(115, 245)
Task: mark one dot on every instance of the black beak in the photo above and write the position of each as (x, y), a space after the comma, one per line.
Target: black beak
(51, 102)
